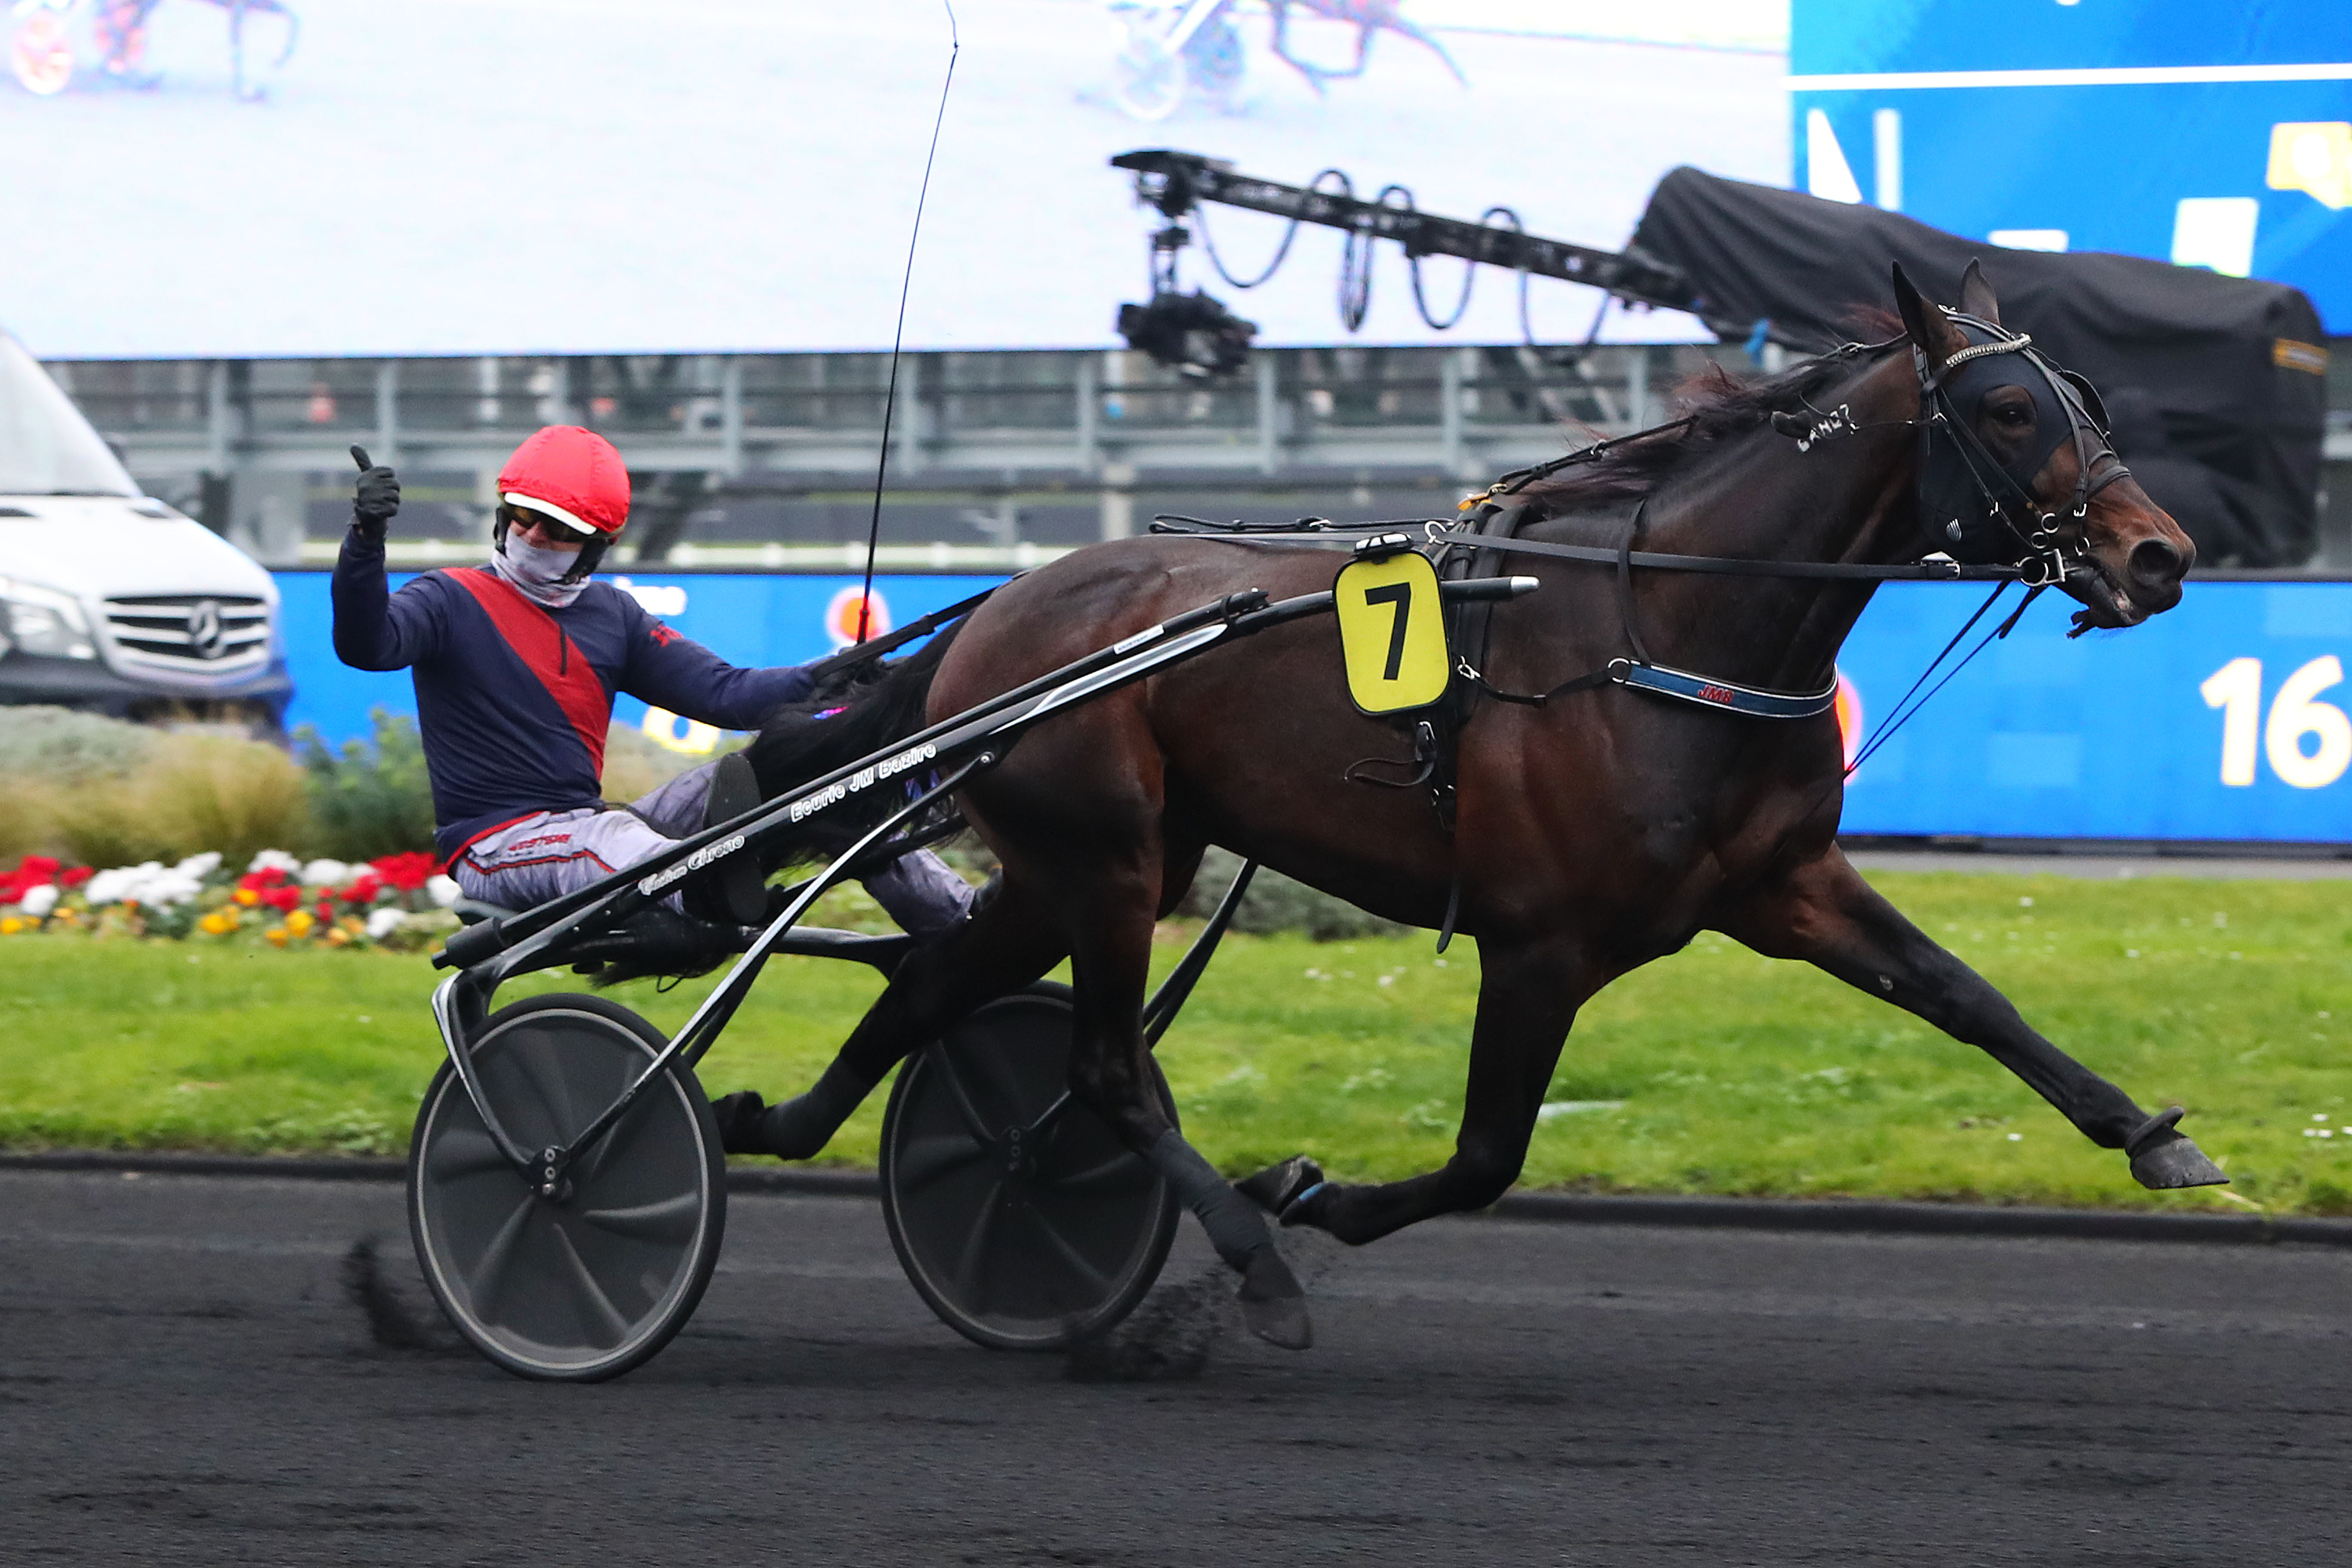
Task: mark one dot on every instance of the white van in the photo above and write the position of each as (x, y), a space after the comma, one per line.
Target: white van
(110, 600)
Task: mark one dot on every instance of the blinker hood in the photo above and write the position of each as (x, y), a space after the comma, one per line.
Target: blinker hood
(1961, 486)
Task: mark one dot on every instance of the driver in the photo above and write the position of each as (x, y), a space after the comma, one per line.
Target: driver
(516, 665)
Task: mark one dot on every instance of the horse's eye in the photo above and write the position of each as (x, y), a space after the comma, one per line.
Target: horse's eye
(2015, 414)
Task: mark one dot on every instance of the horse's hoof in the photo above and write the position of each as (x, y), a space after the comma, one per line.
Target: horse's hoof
(1277, 1187)
(2180, 1163)
(1274, 1304)
(738, 1115)
(2161, 1158)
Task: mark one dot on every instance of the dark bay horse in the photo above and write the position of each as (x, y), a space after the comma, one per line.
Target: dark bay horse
(1594, 833)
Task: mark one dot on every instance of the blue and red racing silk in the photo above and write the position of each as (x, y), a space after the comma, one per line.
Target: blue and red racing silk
(513, 698)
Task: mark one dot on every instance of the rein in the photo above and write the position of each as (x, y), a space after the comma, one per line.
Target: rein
(2042, 557)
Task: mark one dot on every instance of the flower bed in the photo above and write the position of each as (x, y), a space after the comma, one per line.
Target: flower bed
(399, 901)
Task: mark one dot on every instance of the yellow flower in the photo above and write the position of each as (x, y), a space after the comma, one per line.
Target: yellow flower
(337, 937)
(246, 897)
(220, 922)
(276, 935)
(10, 925)
(298, 922)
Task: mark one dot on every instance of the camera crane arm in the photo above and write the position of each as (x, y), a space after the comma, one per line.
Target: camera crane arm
(1176, 183)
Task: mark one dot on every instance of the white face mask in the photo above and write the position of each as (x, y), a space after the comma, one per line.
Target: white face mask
(539, 574)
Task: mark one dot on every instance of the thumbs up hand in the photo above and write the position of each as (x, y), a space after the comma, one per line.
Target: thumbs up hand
(376, 498)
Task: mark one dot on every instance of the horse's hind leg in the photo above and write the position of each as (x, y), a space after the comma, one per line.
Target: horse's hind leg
(1527, 996)
(1822, 911)
(1003, 946)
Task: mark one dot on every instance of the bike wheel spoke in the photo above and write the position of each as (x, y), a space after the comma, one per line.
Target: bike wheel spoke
(971, 1269)
(598, 1302)
(957, 1091)
(926, 1160)
(458, 1155)
(489, 1272)
(1120, 1170)
(1047, 1117)
(555, 1094)
(670, 1219)
(1066, 1250)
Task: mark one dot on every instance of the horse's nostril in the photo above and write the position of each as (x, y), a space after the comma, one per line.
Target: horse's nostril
(2155, 564)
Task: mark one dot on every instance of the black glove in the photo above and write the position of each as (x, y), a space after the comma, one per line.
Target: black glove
(375, 500)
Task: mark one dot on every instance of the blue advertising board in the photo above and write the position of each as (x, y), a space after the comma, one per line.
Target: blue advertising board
(2223, 719)
(2210, 135)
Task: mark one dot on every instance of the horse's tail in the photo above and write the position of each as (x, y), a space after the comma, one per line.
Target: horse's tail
(854, 714)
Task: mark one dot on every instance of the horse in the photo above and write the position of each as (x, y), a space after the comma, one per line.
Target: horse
(1593, 829)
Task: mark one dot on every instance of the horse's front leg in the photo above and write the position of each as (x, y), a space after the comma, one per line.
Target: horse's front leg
(1527, 996)
(1823, 912)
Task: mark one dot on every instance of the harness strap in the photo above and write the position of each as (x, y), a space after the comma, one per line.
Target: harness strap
(1665, 681)
(1437, 534)
(1625, 610)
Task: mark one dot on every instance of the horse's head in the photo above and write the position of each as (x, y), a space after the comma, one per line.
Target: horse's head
(2016, 465)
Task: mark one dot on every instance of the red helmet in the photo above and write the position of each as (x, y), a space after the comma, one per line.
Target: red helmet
(573, 475)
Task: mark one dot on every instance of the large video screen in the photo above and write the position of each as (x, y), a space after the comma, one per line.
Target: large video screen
(2194, 131)
(361, 177)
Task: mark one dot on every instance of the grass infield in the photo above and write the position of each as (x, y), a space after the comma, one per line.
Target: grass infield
(1713, 1071)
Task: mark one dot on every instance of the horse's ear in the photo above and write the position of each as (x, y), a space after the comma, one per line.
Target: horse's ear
(1976, 295)
(1926, 323)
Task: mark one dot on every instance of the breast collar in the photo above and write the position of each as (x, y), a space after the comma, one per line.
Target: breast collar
(1979, 509)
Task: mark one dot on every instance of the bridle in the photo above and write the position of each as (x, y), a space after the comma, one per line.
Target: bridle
(1982, 508)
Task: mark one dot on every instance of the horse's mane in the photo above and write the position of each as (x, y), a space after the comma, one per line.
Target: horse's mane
(1716, 406)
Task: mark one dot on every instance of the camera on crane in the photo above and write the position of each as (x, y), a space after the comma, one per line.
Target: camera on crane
(1192, 334)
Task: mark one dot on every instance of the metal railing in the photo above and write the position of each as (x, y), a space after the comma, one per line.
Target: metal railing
(999, 459)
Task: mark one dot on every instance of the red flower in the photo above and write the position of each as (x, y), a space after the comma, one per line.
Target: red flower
(281, 898)
(76, 876)
(32, 871)
(363, 891)
(275, 876)
(407, 872)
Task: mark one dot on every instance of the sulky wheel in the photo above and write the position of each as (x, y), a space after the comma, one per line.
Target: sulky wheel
(1019, 1215)
(589, 1285)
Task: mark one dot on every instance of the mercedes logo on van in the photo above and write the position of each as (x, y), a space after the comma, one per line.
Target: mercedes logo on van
(204, 629)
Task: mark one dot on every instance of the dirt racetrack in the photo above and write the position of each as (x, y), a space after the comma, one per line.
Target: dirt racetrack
(187, 1376)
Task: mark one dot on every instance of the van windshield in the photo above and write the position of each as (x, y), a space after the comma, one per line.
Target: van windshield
(46, 447)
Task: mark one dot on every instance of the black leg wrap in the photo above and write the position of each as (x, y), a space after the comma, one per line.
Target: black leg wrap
(1273, 1303)
(1237, 1228)
(802, 1126)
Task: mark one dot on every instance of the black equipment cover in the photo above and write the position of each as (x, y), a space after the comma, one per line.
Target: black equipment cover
(2234, 367)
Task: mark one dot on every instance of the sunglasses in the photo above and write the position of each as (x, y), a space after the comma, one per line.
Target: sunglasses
(562, 533)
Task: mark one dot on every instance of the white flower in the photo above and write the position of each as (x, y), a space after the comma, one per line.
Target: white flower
(114, 885)
(200, 865)
(39, 901)
(325, 873)
(442, 891)
(274, 860)
(148, 883)
(384, 922)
